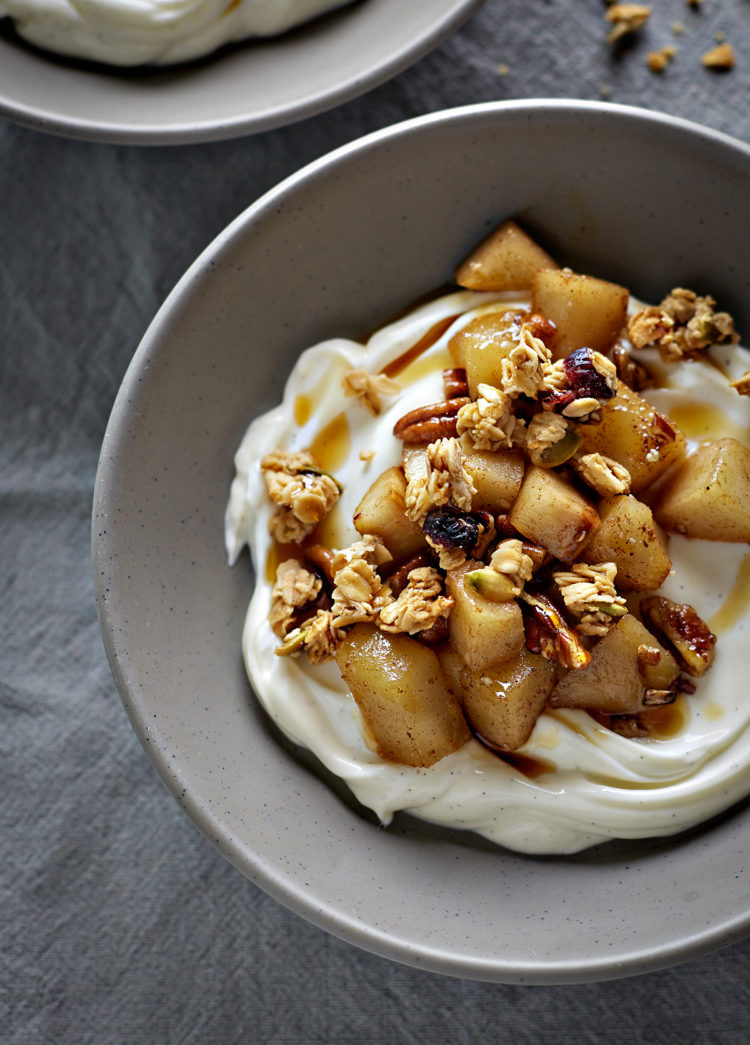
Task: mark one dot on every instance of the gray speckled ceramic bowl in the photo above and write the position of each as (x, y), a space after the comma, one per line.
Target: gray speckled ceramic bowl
(342, 245)
(239, 90)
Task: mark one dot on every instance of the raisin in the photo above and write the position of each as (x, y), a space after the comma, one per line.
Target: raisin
(450, 528)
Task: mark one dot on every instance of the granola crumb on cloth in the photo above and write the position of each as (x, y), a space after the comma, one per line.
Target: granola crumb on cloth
(657, 61)
(720, 57)
(625, 19)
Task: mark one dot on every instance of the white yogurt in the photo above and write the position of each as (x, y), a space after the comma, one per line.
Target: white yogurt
(153, 32)
(598, 785)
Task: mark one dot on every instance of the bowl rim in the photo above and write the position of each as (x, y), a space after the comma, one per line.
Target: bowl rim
(220, 128)
(272, 879)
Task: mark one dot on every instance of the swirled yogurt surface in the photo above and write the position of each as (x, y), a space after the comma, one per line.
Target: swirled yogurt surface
(588, 784)
(153, 32)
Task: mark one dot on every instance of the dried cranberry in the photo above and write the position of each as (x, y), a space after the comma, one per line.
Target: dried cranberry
(584, 378)
(450, 528)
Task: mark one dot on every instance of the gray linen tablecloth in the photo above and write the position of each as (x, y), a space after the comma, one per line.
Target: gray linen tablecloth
(120, 923)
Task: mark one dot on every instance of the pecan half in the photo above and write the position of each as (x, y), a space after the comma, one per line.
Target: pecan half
(428, 423)
(550, 634)
(681, 629)
(455, 382)
(398, 579)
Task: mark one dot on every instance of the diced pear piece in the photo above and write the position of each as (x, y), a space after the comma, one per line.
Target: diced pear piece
(586, 311)
(407, 703)
(624, 664)
(482, 632)
(496, 475)
(550, 512)
(506, 260)
(636, 435)
(709, 496)
(381, 512)
(503, 702)
(481, 345)
(629, 537)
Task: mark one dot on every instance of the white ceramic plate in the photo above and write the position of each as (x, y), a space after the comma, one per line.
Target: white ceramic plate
(645, 199)
(240, 90)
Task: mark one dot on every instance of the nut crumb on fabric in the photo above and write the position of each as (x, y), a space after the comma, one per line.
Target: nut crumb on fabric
(657, 61)
(720, 57)
(625, 19)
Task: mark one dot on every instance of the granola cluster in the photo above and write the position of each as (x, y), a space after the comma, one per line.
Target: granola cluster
(303, 493)
(438, 477)
(683, 325)
(489, 420)
(360, 384)
(589, 593)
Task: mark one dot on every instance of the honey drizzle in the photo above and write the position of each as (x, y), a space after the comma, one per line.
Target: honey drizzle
(302, 410)
(278, 553)
(736, 603)
(666, 721)
(331, 445)
(704, 421)
(400, 363)
(528, 765)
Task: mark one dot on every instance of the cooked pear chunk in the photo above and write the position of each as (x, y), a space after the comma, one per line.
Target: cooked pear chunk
(629, 537)
(496, 475)
(636, 435)
(381, 512)
(481, 632)
(626, 665)
(550, 512)
(503, 702)
(481, 345)
(506, 260)
(586, 311)
(709, 496)
(407, 703)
